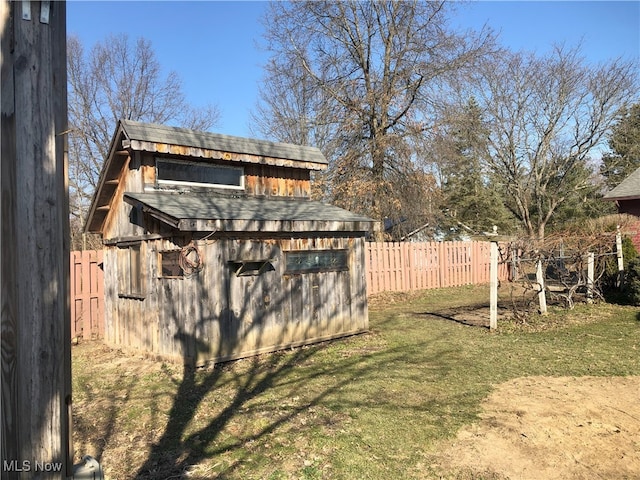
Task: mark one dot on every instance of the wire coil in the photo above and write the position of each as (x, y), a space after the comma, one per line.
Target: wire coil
(190, 259)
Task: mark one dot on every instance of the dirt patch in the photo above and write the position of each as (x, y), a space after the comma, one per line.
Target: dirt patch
(543, 428)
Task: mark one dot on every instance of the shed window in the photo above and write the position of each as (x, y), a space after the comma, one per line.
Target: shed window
(246, 268)
(316, 261)
(199, 174)
(170, 264)
(131, 281)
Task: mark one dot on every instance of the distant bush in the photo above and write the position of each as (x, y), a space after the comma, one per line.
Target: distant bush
(631, 288)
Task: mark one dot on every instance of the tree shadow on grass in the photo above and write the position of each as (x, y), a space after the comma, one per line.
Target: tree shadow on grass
(109, 408)
(471, 315)
(232, 431)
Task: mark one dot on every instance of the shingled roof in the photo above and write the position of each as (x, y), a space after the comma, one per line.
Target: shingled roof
(628, 189)
(159, 138)
(206, 212)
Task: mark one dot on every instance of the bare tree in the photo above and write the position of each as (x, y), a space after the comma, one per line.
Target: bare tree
(370, 72)
(117, 79)
(546, 116)
(291, 108)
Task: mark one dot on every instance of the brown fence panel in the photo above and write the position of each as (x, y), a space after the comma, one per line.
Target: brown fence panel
(398, 267)
(87, 294)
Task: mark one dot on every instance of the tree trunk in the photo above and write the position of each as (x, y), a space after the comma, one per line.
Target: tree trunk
(541, 228)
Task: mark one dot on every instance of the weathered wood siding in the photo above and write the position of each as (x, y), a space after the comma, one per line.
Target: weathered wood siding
(139, 174)
(216, 315)
(119, 222)
(260, 180)
(272, 181)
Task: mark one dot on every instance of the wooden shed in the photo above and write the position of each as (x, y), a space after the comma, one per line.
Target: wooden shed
(215, 251)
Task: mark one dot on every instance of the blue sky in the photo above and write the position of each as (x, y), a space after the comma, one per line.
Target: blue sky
(214, 45)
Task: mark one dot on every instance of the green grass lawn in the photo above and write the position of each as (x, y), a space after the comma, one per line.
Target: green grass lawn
(373, 406)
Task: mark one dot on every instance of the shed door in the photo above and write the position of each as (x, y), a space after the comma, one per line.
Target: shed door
(324, 303)
(254, 316)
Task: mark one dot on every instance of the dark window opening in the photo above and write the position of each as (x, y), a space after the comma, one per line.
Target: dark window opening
(170, 264)
(131, 281)
(251, 267)
(199, 174)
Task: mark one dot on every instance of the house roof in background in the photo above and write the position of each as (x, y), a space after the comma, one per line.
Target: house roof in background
(628, 189)
(205, 212)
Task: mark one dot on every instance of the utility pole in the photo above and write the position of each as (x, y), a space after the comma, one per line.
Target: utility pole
(34, 218)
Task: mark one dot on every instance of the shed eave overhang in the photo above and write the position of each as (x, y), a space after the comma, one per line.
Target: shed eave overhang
(195, 153)
(169, 140)
(271, 226)
(108, 183)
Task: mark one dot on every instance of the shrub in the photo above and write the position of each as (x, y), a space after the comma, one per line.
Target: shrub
(631, 288)
(630, 291)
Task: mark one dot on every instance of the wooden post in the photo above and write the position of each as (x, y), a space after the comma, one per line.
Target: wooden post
(493, 286)
(515, 274)
(620, 279)
(34, 218)
(590, 269)
(542, 299)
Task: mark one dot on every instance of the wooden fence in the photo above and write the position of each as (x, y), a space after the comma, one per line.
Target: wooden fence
(87, 294)
(398, 267)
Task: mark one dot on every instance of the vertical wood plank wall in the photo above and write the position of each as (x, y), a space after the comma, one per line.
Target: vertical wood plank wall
(217, 315)
(87, 294)
(398, 267)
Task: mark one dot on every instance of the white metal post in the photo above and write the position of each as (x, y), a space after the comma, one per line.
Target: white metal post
(620, 278)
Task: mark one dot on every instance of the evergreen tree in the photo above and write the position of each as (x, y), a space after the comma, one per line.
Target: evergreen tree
(474, 201)
(624, 143)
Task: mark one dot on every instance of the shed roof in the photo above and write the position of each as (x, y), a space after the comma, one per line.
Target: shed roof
(628, 189)
(146, 136)
(203, 212)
